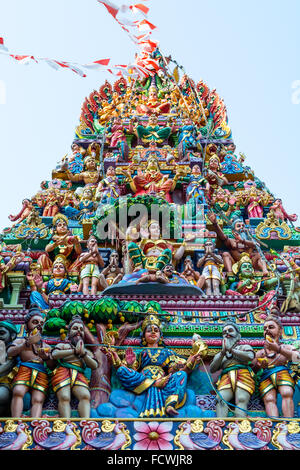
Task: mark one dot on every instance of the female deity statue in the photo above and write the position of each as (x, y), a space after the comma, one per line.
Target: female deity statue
(53, 203)
(85, 209)
(255, 200)
(154, 373)
(197, 187)
(61, 243)
(108, 189)
(280, 212)
(117, 136)
(58, 284)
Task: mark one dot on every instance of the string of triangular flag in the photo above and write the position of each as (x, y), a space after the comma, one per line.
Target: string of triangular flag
(143, 65)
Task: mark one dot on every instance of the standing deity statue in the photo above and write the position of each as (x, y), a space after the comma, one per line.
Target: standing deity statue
(108, 189)
(68, 377)
(236, 381)
(32, 375)
(211, 276)
(198, 186)
(91, 261)
(275, 377)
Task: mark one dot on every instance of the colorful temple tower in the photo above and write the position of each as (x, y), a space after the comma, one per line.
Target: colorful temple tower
(151, 286)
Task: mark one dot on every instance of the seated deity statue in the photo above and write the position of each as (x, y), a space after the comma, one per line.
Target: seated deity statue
(154, 373)
(58, 284)
(62, 243)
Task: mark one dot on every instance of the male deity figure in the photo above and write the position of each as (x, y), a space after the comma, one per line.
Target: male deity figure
(275, 378)
(8, 333)
(32, 375)
(237, 246)
(68, 378)
(112, 273)
(236, 379)
(211, 276)
(91, 261)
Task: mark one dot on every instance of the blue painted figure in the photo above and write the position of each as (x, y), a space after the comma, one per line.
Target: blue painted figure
(157, 373)
(197, 187)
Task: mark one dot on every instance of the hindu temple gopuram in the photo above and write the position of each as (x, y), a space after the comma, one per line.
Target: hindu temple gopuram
(150, 288)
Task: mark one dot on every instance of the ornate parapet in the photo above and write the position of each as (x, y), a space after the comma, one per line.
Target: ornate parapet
(140, 434)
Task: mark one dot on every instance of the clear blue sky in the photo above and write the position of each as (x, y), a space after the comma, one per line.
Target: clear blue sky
(248, 51)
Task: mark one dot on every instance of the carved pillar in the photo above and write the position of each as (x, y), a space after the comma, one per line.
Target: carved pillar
(17, 281)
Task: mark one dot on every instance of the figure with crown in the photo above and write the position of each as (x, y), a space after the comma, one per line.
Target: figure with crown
(154, 372)
(58, 284)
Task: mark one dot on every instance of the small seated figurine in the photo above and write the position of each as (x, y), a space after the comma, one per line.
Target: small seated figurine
(150, 374)
(85, 209)
(57, 285)
(32, 375)
(112, 273)
(211, 276)
(91, 261)
(275, 378)
(61, 243)
(68, 377)
(16, 258)
(8, 333)
(236, 381)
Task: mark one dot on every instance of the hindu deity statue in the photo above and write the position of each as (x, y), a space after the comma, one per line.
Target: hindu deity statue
(223, 201)
(248, 283)
(280, 212)
(236, 381)
(153, 132)
(90, 262)
(58, 284)
(32, 375)
(153, 105)
(27, 208)
(52, 203)
(112, 273)
(89, 176)
(68, 377)
(152, 373)
(211, 276)
(187, 135)
(198, 186)
(85, 208)
(8, 333)
(75, 161)
(255, 200)
(274, 376)
(238, 246)
(16, 258)
(189, 273)
(152, 254)
(108, 189)
(152, 181)
(61, 243)
(213, 174)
